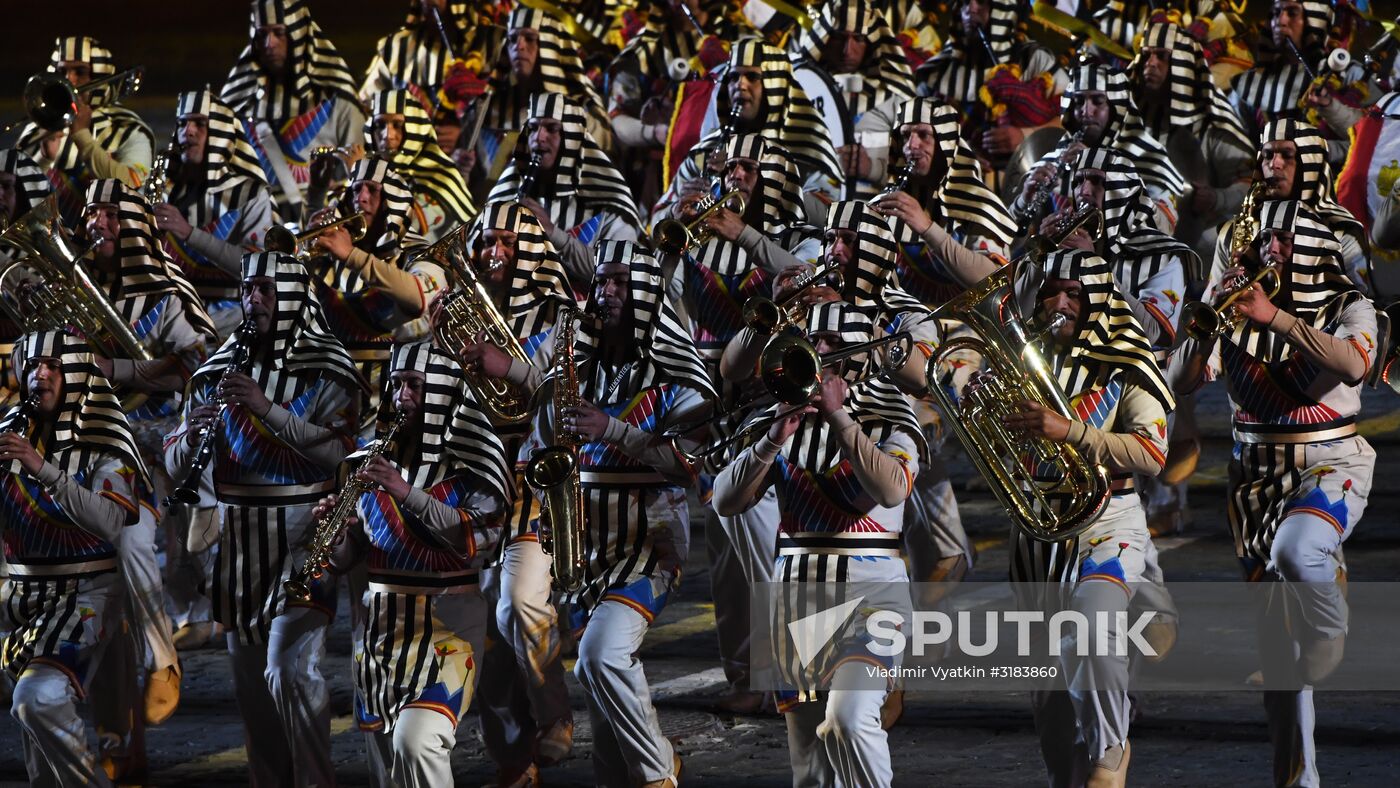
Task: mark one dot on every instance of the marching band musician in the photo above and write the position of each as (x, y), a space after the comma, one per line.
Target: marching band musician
(1022, 78)
(638, 375)
(106, 140)
(371, 292)
(168, 318)
(856, 447)
(1103, 361)
(1098, 106)
(849, 62)
(527, 723)
(418, 57)
(401, 133)
(539, 57)
(218, 206)
(758, 94)
(1301, 474)
(292, 93)
(287, 419)
(424, 528)
(65, 509)
(1171, 85)
(23, 188)
(576, 194)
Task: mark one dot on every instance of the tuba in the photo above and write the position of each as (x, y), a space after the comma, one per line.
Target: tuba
(47, 289)
(554, 471)
(468, 311)
(1018, 371)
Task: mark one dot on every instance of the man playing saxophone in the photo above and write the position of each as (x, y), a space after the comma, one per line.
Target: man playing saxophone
(638, 375)
(424, 529)
(65, 506)
(1103, 362)
(286, 426)
(527, 721)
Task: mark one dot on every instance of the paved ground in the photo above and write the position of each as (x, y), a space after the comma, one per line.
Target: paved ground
(953, 739)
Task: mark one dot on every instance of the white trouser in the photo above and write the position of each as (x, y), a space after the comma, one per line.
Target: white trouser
(189, 574)
(417, 753)
(151, 625)
(283, 699)
(523, 690)
(840, 742)
(628, 746)
(742, 552)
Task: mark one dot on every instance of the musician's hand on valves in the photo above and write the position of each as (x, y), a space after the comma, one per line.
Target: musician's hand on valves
(239, 389)
(685, 209)
(726, 224)
(975, 383)
(1039, 421)
(831, 395)
(483, 358)
(337, 243)
(14, 446)
(169, 219)
(383, 473)
(906, 208)
(199, 420)
(586, 421)
(541, 214)
(1252, 304)
(1001, 140)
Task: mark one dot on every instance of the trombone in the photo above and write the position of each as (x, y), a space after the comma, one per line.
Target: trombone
(672, 236)
(768, 316)
(791, 371)
(51, 101)
(1204, 323)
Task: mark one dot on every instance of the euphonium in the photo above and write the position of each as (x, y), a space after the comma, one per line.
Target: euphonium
(64, 296)
(327, 529)
(554, 471)
(672, 236)
(1018, 372)
(468, 311)
(767, 316)
(244, 338)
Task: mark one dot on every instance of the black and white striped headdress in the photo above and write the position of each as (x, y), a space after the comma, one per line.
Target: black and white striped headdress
(419, 160)
(457, 438)
(538, 283)
(777, 198)
(1132, 240)
(1313, 177)
(877, 405)
(867, 284)
(301, 346)
(1195, 100)
(91, 417)
(397, 202)
(558, 65)
(408, 59)
(1314, 283)
(953, 74)
(885, 70)
(147, 273)
(1125, 131)
(962, 196)
(582, 170)
(229, 159)
(1276, 88)
(318, 71)
(112, 124)
(31, 185)
(1110, 341)
(787, 117)
(666, 349)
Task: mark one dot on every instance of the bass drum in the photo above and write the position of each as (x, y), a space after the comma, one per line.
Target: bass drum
(1031, 150)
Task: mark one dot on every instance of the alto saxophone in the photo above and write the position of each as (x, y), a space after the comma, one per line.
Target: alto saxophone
(554, 471)
(244, 338)
(327, 529)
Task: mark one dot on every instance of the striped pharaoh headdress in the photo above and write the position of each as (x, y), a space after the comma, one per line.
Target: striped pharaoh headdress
(886, 73)
(1195, 101)
(317, 70)
(1125, 131)
(419, 160)
(538, 283)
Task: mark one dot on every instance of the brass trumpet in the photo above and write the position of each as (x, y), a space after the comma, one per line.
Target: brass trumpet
(1202, 322)
(766, 316)
(672, 236)
(50, 101)
(791, 371)
(279, 239)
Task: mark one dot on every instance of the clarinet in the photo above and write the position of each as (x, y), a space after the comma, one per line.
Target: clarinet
(1063, 162)
(188, 490)
(528, 178)
(18, 419)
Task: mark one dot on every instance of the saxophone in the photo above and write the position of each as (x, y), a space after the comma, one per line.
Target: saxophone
(328, 528)
(468, 311)
(244, 338)
(554, 471)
